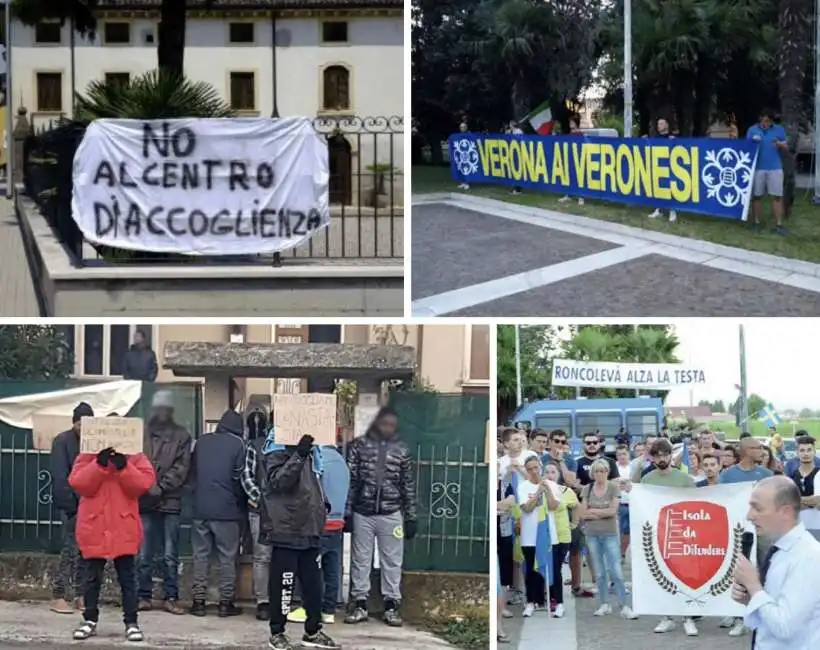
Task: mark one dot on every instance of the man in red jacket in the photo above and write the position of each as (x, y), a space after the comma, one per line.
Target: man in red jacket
(109, 485)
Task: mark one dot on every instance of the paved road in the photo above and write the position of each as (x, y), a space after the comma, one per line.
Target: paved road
(471, 263)
(32, 625)
(580, 630)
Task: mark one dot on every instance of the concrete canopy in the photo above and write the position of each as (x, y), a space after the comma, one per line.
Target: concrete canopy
(284, 360)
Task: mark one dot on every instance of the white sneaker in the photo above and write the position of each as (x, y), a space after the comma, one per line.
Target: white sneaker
(655, 214)
(580, 201)
(689, 627)
(603, 610)
(673, 216)
(506, 613)
(665, 625)
(727, 622)
(559, 612)
(529, 608)
(564, 199)
(466, 186)
(627, 613)
(738, 629)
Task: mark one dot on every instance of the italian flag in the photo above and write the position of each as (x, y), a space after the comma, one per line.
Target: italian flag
(541, 119)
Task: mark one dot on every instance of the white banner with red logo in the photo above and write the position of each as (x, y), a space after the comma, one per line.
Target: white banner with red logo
(684, 544)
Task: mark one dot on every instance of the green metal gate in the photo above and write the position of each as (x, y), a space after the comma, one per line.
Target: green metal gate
(28, 521)
(447, 436)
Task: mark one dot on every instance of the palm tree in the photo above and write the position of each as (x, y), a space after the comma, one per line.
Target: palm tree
(794, 55)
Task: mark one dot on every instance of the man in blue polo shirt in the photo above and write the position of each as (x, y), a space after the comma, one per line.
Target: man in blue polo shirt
(771, 139)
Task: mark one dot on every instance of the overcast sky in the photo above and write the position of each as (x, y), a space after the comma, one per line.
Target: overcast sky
(782, 360)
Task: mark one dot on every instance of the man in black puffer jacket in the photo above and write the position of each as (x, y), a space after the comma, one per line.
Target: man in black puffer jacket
(381, 504)
(292, 520)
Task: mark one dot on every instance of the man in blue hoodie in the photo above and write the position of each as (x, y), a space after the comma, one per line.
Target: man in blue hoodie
(335, 483)
(219, 509)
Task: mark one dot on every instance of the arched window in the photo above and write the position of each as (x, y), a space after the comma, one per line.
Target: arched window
(336, 81)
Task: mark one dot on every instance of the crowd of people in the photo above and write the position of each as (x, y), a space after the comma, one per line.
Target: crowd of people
(584, 501)
(295, 500)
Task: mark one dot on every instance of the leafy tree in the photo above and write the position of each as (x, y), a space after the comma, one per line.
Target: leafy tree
(754, 404)
(541, 344)
(805, 414)
(34, 352)
(537, 343)
(82, 14)
(489, 61)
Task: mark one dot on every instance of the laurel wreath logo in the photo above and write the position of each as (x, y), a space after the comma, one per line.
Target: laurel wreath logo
(651, 561)
(715, 589)
(725, 583)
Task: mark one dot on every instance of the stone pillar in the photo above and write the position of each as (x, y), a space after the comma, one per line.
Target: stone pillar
(22, 129)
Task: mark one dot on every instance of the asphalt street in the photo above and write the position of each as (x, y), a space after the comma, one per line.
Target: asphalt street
(467, 263)
(580, 630)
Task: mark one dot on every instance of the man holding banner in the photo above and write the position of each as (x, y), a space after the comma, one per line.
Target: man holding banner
(771, 139)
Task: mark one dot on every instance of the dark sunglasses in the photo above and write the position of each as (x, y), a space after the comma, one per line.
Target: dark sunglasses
(560, 442)
(592, 442)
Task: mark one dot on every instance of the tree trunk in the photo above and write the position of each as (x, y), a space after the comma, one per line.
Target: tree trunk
(793, 59)
(171, 37)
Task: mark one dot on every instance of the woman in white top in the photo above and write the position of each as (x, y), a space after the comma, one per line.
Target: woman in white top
(532, 494)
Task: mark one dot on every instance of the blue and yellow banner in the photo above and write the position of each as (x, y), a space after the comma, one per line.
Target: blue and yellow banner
(703, 175)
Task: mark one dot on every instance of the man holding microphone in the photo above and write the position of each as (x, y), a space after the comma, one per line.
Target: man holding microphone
(781, 599)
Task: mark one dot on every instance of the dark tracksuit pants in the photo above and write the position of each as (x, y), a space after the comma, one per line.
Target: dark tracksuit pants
(285, 565)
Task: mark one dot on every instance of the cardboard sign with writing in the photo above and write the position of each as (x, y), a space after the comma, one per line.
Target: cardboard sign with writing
(125, 435)
(45, 428)
(364, 416)
(312, 414)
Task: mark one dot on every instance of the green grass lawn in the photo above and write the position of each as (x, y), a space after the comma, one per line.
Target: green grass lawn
(758, 428)
(802, 243)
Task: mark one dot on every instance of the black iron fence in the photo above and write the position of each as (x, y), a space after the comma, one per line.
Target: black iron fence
(366, 195)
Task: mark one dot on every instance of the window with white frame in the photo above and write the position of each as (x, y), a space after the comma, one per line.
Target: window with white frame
(99, 350)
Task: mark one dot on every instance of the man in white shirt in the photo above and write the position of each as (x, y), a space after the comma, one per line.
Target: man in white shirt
(782, 600)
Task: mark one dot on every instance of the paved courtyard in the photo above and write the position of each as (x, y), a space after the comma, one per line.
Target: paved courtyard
(580, 630)
(480, 257)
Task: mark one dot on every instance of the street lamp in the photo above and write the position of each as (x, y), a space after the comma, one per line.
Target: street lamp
(628, 68)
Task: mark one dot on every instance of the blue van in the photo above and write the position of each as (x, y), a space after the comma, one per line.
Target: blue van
(639, 416)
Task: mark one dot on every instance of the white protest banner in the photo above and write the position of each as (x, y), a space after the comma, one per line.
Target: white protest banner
(300, 414)
(197, 186)
(44, 428)
(605, 374)
(124, 435)
(685, 543)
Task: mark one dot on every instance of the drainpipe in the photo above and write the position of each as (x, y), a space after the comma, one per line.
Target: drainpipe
(275, 113)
